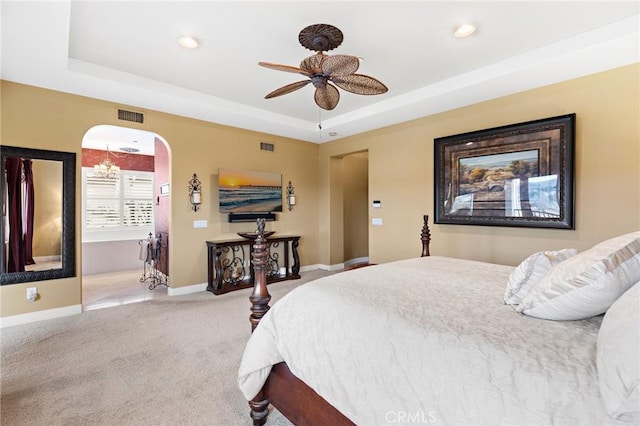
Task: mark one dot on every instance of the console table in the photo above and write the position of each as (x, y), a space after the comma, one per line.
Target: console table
(230, 266)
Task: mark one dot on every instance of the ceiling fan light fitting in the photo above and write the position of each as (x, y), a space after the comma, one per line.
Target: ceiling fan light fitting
(319, 81)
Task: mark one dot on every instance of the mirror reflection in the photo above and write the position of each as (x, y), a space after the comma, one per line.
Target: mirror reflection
(33, 223)
(38, 205)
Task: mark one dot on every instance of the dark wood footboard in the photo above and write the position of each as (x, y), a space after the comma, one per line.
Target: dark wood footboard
(298, 402)
(290, 395)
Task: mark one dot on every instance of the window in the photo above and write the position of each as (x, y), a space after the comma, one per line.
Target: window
(117, 208)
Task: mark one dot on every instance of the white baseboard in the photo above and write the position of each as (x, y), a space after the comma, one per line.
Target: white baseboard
(310, 268)
(189, 289)
(43, 259)
(40, 316)
(331, 268)
(356, 261)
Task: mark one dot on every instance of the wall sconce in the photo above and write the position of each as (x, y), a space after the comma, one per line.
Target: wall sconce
(291, 197)
(195, 196)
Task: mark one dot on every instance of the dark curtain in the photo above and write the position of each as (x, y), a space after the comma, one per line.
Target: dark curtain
(29, 200)
(13, 167)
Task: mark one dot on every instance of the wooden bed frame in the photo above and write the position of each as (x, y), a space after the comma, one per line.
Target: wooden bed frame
(290, 395)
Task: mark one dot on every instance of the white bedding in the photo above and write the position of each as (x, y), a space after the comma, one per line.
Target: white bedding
(429, 341)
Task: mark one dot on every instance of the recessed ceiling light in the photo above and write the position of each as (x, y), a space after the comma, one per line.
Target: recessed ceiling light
(465, 30)
(333, 133)
(188, 42)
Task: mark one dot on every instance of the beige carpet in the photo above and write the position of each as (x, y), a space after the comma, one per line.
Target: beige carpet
(169, 361)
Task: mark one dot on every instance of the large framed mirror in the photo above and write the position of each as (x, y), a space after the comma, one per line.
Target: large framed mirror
(38, 234)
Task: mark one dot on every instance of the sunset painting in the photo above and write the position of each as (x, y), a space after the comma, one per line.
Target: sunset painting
(249, 191)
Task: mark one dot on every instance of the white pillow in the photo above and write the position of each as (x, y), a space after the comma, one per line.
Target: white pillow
(530, 271)
(588, 283)
(618, 357)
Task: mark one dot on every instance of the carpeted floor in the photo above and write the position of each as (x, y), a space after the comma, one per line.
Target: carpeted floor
(170, 361)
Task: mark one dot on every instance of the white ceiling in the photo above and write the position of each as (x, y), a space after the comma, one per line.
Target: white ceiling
(127, 53)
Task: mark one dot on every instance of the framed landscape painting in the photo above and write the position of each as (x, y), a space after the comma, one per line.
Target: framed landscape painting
(515, 175)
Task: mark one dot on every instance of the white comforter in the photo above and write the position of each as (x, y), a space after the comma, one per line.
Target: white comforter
(428, 341)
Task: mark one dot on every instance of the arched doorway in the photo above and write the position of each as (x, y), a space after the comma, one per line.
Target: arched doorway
(125, 216)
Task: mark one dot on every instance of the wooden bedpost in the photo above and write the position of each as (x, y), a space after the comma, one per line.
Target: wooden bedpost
(260, 297)
(425, 236)
(259, 409)
(259, 306)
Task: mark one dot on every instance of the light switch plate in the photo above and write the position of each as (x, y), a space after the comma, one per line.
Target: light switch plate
(377, 221)
(199, 224)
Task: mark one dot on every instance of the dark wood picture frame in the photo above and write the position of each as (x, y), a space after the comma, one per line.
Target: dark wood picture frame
(516, 175)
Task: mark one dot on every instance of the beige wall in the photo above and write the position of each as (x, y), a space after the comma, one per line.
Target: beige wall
(607, 172)
(38, 118)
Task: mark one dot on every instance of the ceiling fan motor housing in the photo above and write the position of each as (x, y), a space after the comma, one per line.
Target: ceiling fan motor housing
(320, 37)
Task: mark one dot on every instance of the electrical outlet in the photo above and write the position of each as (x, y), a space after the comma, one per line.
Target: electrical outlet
(32, 294)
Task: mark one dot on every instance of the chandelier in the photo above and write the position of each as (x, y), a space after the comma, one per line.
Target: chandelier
(106, 168)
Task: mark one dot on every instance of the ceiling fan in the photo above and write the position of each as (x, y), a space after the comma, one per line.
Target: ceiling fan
(322, 70)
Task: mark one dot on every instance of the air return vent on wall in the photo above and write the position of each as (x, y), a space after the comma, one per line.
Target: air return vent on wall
(135, 117)
(266, 146)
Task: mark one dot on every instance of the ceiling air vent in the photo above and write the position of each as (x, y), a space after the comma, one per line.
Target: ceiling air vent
(135, 117)
(265, 146)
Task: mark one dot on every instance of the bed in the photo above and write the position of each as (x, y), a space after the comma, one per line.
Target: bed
(430, 340)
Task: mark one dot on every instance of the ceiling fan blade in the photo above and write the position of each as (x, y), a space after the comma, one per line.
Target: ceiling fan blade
(327, 97)
(285, 68)
(340, 65)
(359, 84)
(287, 89)
(313, 64)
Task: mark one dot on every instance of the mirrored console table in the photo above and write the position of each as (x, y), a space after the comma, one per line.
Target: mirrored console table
(230, 268)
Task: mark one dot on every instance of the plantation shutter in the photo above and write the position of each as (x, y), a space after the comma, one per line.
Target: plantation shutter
(102, 202)
(138, 201)
(117, 208)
